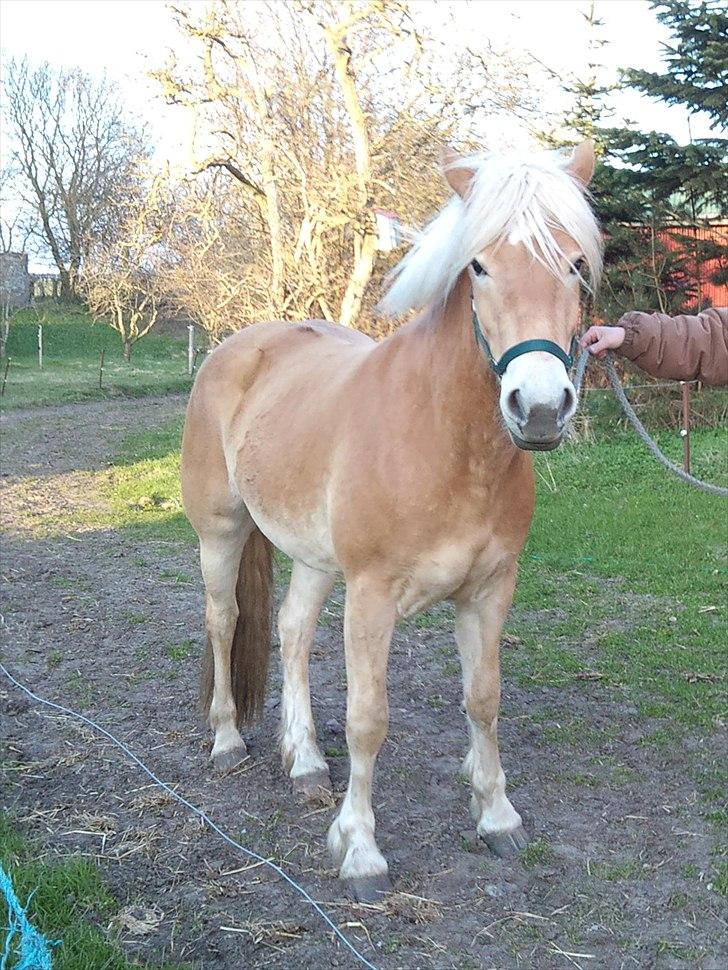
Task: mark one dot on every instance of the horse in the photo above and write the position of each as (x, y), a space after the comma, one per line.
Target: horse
(402, 466)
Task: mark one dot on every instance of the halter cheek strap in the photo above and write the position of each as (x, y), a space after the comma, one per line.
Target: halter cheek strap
(517, 350)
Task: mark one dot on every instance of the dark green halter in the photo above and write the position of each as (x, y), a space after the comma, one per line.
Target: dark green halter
(517, 350)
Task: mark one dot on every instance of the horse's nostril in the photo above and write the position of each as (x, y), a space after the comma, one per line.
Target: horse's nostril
(566, 404)
(514, 406)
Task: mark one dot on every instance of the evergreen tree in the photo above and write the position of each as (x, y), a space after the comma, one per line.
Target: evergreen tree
(696, 73)
(648, 183)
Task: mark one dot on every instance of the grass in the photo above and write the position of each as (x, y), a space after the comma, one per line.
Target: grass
(616, 871)
(72, 346)
(536, 853)
(67, 901)
(180, 651)
(721, 879)
(621, 593)
(622, 585)
(633, 565)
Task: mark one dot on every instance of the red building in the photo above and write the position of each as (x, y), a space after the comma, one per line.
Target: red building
(680, 239)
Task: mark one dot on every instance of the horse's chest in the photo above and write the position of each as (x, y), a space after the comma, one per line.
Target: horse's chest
(439, 573)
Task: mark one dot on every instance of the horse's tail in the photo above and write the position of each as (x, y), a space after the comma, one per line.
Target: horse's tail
(252, 638)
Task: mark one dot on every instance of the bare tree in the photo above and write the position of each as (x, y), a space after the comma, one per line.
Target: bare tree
(72, 146)
(319, 113)
(215, 273)
(125, 274)
(15, 228)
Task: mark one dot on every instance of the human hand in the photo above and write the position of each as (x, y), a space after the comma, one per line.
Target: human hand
(600, 340)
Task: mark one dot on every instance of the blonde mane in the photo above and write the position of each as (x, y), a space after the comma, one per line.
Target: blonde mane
(510, 197)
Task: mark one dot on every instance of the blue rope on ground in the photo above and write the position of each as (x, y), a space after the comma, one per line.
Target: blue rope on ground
(195, 810)
(35, 949)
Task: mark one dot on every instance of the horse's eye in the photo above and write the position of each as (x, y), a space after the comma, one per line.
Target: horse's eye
(577, 266)
(478, 268)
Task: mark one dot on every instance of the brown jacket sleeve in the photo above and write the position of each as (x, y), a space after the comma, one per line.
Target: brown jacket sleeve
(679, 348)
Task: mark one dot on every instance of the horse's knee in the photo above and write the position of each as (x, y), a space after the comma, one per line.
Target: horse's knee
(366, 731)
(482, 704)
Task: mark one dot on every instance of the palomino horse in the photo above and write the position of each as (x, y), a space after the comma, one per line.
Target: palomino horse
(401, 465)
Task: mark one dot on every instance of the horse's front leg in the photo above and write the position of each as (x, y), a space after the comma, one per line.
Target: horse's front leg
(368, 625)
(478, 626)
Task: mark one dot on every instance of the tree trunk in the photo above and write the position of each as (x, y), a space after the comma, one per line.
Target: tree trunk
(67, 292)
(358, 280)
(127, 350)
(365, 248)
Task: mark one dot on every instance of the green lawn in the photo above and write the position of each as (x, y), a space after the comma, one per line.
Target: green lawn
(72, 346)
(67, 901)
(637, 563)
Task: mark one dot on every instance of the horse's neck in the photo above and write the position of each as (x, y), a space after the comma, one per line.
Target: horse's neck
(455, 375)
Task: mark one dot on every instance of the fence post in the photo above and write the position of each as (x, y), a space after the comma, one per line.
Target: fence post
(40, 346)
(685, 430)
(5, 377)
(4, 327)
(190, 350)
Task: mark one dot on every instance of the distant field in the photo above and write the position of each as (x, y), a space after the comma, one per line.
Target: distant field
(72, 346)
(72, 351)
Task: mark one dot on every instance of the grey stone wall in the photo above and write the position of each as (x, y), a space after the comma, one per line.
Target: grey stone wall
(14, 280)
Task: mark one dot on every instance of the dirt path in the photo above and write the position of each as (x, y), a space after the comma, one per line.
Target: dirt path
(618, 875)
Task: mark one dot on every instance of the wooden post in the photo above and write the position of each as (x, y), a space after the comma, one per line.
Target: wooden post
(4, 328)
(101, 369)
(40, 346)
(190, 350)
(685, 430)
(5, 377)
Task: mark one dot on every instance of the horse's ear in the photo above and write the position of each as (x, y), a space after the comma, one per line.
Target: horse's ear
(457, 176)
(581, 163)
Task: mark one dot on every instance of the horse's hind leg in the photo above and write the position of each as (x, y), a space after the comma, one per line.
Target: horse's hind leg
(297, 618)
(220, 554)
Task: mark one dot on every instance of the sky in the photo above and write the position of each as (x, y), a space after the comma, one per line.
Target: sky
(128, 38)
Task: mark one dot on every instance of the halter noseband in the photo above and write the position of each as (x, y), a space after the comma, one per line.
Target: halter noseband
(517, 350)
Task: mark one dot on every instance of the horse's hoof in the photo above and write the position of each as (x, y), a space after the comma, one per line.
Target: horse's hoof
(505, 844)
(369, 889)
(227, 760)
(314, 787)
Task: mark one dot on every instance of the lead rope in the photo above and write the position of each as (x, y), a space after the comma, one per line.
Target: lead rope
(642, 433)
(196, 811)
